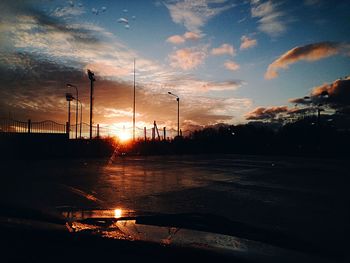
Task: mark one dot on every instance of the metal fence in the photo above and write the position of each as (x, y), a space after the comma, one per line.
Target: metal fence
(47, 127)
(111, 131)
(82, 130)
(15, 126)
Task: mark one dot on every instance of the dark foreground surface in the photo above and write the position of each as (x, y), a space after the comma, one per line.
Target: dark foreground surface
(306, 198)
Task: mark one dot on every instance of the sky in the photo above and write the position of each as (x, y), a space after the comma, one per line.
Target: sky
(228, 61)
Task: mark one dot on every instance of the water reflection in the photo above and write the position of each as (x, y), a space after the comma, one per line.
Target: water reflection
(129, 178)
(176, 236)
(113, 224)
(124, 224)
(97, 214)
(141, 183)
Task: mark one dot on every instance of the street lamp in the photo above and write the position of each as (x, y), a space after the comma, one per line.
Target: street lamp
(91, 76)
(81, 116)
(317, 101)
(178, 112)
(69, 98)
(134, 108)
(76, 108)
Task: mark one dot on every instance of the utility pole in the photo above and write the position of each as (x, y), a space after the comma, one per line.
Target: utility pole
(133, 117)
(76, 108)
(81, 118)
(69, 98)
(69, 114)
(92, 79)
(178, 116)
(178, 112)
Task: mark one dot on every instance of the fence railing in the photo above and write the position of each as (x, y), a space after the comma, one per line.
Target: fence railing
(15, 126)
(83, 129)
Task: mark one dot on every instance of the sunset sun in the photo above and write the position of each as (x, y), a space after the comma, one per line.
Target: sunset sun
(123, 136)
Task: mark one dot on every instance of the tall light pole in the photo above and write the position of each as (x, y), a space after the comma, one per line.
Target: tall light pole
(92, 79)
(178, 112)
(318, 103)
(69, 98)
(133, 117)
(81, 116)
(76, 108)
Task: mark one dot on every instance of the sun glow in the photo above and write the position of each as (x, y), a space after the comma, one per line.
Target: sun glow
(118, 213)
(123, 136)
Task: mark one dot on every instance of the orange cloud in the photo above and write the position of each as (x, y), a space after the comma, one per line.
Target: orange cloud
(335, 95)
(192, 35)
(224, 49)
(177, 39)
(188, 58)
(247, 42)
(231, 65)
(262, 113)
(311, 52)
(338, 93)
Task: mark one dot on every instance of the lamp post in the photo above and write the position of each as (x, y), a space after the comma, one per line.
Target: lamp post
(81, 116)
(134, 107)
(69, 98)
(76, 108)
(178, 112)
(318, 103)
(91, 76)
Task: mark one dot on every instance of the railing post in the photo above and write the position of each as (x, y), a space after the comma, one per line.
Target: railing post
(145, 133)
(29, 125)
(98, 130)
(164, 133)
(67, 129)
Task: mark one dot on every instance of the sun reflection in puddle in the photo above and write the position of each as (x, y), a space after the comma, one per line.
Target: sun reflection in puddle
(122, 224)
(116, 213)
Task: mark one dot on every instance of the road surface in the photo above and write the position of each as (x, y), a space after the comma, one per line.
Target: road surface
(305, 197)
